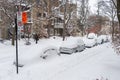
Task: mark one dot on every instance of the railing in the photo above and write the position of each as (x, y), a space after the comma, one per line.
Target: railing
(58, 25)
(30, 20)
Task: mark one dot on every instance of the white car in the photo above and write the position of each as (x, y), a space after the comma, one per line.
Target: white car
(102, 39)
(72, 45)
(49, 52)
(32, 56)
(92, 36)
(90, 40)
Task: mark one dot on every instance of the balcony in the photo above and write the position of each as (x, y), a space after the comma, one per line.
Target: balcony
(58, 25)
(29, 20)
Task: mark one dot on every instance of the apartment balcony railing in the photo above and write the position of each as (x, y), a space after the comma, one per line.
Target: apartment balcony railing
(58, 25)
(30, 20)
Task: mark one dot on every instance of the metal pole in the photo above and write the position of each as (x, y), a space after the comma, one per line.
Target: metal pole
(16, 31)
(16, 44)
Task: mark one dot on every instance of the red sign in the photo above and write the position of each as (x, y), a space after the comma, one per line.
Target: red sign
(24, 17)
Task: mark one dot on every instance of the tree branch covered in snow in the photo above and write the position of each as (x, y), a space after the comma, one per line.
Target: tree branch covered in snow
(83, 15)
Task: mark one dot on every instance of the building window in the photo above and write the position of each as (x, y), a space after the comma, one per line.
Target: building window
(38, 14)
(41, 15)
(44, 15)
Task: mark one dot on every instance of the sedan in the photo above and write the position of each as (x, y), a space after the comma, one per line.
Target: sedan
(72, 45)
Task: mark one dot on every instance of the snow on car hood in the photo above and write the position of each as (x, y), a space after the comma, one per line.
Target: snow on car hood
(69, 43)
(92, 35)
(89, 42)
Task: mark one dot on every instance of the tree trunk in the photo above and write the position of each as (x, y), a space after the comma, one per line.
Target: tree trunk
(113, 30)
(49, 14)
(64, 25)
(13, 37)
(118, 10)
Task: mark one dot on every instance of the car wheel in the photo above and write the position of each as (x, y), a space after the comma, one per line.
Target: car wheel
(73, 51)
(78, 49)
(59, 54)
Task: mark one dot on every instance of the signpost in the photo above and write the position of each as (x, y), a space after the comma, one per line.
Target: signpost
(24, 17)
(19, 23)
(16, 30)
(20, 20)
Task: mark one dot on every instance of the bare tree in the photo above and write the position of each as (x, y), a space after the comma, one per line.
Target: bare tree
(83, 15)
(116, 41)
(69, 9)
(8, 10)
(117, 6)
(108, 9)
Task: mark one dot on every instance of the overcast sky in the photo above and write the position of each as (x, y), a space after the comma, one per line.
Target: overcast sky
(92, 4)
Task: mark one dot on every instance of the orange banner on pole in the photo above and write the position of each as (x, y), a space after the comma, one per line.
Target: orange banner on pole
(24, 17)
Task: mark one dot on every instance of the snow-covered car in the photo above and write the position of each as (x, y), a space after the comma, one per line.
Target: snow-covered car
(99, 40)
(102, 39)
(1, 40)
(72, 45)
(49, 52)
(90, 40)
(33, 55)
(92, 36)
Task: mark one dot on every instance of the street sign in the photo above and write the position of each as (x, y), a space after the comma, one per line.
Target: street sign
(24, 17)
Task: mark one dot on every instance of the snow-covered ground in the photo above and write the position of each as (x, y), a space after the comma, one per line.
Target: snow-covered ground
(99, 62)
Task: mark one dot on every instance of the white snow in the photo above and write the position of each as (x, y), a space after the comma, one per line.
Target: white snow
(92, 35)
(89, 42)
(99, 62)
(69, 43)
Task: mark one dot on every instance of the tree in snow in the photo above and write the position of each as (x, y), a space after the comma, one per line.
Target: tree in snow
(108, 9)
(7, 15)
(83, 13)
(69, 11)
(116, 39)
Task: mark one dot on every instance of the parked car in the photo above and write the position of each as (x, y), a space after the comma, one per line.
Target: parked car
(72, 45)
(102, 39)
(35, 55)
(90, 40)
(49, 52)
(1, 40)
